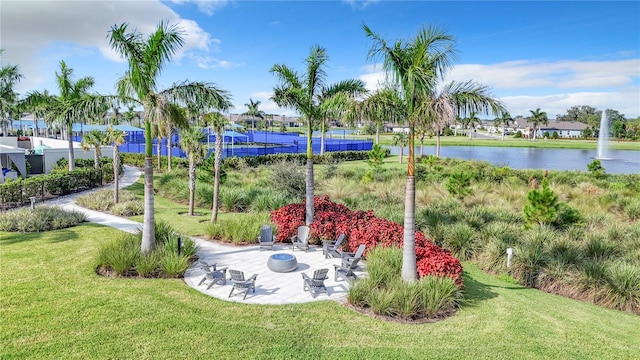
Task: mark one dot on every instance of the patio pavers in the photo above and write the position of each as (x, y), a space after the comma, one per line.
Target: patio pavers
(271, 287)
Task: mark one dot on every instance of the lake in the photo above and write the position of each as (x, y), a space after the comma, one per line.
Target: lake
(621, 162)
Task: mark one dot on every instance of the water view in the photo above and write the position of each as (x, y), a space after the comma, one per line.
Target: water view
(618, 161)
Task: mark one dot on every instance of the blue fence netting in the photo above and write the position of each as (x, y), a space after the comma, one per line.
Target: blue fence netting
(253, 143)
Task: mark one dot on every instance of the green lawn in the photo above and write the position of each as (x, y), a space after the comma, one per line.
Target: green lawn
(54, 306)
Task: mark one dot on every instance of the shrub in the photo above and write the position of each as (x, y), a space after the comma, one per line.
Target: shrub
(122, 256)
(239, 229)
(542, 205)
(386, 294)
(460, 239)
(41, 218)
(622, 288)
(289, 178)
(459, 184)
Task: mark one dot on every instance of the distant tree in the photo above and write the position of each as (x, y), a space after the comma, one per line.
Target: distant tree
(94, 139)
(584, 114)
(587, 133)
(537, 117)
(9, 76)
(503, 121)
(191, 142)
(217, 122)
(254, 112)
(400, 139)
(115, 138)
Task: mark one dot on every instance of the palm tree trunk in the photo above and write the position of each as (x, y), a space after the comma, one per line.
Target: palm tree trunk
(322, 137)
(72, 158)
(438, 144)
(169, 158)
(309, 192)
(409, 269)
(159, 151)
(148, 225)
(422, 147)
(216, 182)
(116, 175)
(96, 158)
(192, 183)
(377, 133)
(401, 152)
(309, 179)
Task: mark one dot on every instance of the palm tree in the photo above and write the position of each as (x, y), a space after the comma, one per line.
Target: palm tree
(40, 104)
(191, 143)
(94, 139)
(217, 122)
(303, 93)
(416, 67)
(537, 117)
(334, 101)
(9, 76)
(383, 105)
(400, 139)
(73, 95)
(470, 122)
(455, 98)
(253, 111)
(146, 58)
(504, 121)
(116, 138)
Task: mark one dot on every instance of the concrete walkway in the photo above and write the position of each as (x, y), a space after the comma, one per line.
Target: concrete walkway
(271, 287)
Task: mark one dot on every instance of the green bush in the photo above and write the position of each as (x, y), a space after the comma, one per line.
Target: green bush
(239, 229)
(41, 218)
(386, 294)
(122, 256)
(622, 288)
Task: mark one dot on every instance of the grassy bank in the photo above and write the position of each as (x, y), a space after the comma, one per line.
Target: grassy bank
(509, 141)
(54, 306)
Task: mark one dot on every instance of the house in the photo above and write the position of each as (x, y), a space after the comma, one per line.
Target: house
(395, 128)
(564, 129)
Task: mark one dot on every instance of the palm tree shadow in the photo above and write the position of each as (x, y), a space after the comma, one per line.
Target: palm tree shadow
(475, 291)
(53, 237)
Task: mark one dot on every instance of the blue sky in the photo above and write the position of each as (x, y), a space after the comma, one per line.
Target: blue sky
(547, 55)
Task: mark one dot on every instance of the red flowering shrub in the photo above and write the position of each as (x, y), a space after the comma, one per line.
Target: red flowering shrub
(363, 227)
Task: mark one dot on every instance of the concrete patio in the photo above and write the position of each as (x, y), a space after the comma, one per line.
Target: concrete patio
(271, 287)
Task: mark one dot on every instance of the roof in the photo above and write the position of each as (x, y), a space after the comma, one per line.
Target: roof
(556, 125)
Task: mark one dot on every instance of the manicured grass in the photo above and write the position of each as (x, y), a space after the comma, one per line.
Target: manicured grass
(176, 214)
(509, 141)
(54, 306)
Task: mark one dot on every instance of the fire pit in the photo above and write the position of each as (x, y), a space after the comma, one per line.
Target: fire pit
(282, 263)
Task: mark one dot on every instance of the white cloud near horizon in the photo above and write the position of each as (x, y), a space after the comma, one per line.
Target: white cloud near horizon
(553, 87)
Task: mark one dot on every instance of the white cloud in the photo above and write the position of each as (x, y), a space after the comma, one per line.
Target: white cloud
(31, 27)
(208, 7)
(554, 87)
(561, 74)
(207, 62)
(360, 4)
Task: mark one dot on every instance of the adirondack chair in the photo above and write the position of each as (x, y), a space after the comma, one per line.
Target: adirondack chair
(331, 248)
(315, 284)
(212, 274)
(301, 240)
(266, 238)
(242, 284)
(348, 264)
